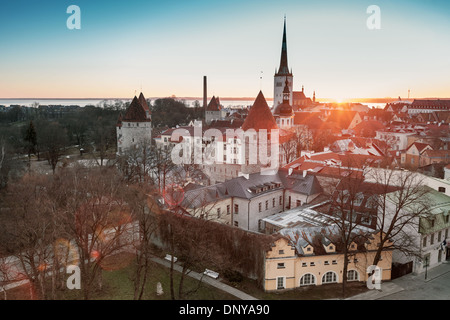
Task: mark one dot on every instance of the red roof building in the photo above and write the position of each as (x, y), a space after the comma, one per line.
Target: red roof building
(260, 117)
(137, 111)
(334, 164)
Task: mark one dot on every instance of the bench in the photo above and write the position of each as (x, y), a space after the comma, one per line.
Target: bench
(168, 257)
(211, 273)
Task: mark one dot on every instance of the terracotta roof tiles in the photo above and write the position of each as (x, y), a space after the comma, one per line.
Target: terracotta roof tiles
(138, 110)
(260, 117)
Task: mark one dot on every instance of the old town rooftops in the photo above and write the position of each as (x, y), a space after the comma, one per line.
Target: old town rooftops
(252, 186)
(322, 240)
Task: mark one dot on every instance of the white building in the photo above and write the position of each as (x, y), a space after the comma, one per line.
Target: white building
(396, 139)
(245, 201)
(429, 233)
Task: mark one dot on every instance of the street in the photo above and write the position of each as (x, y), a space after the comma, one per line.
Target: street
(415, 287)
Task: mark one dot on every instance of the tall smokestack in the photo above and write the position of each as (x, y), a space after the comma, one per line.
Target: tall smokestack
(205, 93)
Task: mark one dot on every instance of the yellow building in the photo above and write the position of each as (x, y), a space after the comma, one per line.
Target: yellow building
(303, 257)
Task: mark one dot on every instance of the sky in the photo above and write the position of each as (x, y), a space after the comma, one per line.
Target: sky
(164, 48)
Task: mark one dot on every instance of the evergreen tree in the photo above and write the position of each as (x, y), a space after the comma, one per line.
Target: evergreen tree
(31, 139)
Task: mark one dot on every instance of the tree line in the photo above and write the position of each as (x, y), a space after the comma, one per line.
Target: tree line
(48, 135)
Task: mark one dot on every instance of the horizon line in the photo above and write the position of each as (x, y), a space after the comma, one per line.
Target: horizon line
(221, 98)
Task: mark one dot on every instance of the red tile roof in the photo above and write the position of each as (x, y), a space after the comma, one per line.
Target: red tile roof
(333, 163)
(342, 118)
(368, 128)
(419, 145)
(310, 119)
(431, 104)
(214, 105)
(136, 112)
(143, 103)
(260, 117)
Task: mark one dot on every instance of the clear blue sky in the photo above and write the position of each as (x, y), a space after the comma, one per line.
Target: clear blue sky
(166, 47)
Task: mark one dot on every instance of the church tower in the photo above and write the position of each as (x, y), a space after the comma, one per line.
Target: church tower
(283, 113)
(283, 74)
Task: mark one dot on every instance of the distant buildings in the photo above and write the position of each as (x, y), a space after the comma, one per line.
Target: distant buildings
(214, 111)
(428, 106)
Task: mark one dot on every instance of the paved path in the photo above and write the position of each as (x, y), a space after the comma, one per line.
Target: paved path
(206, 279)
(414, 287)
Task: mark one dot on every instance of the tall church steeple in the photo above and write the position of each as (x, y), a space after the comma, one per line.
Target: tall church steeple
(283, 70)
(283, 74)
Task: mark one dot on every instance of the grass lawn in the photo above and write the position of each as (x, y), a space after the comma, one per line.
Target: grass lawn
(117, 285)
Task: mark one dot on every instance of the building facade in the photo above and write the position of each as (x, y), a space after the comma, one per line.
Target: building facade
(295, 261)
(248, 199)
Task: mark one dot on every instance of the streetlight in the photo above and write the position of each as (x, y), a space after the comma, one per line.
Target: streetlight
(426, 267)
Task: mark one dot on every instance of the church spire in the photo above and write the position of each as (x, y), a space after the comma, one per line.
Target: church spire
(284, 69)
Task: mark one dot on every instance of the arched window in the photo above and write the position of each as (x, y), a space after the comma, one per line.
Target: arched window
(352, 275)
(329, 277)
(307, 280)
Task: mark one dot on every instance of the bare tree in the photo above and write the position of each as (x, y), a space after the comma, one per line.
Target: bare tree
(103, 139)
(29, 230)
(399, 210)
(346, 199)
(144, 208)
(161, 165)
(385, 200)
(52, 140)
(136, 162)
(96, 217)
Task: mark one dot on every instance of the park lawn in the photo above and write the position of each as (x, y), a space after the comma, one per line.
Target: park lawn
(117, 285)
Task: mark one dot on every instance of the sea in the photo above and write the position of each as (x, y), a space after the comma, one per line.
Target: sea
(100, 102)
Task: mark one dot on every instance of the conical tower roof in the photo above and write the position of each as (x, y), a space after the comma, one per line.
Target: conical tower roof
(214, 104)
(143, 103)
(136, 112)
(259, 117)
